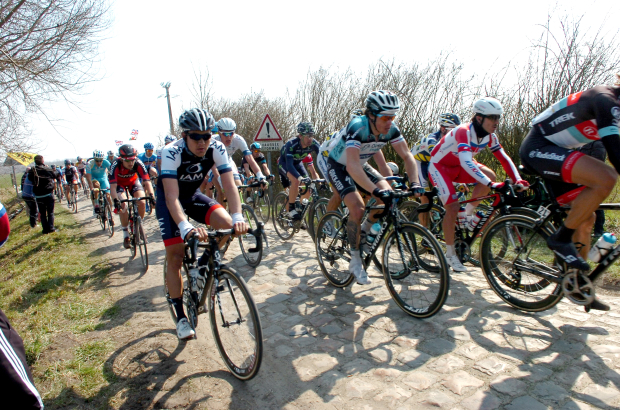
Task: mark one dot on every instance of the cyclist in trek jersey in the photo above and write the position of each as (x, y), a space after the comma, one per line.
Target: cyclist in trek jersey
(292, 172)
(126, 172)
(550, 150)
(149, 159)
(97, 169)
(422, 153)
(70, 176)
(348, 169)
(184, 166)
(452, 161)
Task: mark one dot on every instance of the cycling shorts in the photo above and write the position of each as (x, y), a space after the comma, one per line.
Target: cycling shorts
(199, 207)
(344, 184)
(104, 183)
(321, 164)
(553, 163)
(82, 171)
(443, 178)
(286, 182)
(137, 186)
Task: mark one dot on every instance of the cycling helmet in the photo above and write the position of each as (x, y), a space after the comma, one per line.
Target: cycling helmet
(148, 145)
(169, 139)
(226, 125)
(422, 150)
(127, 151)
(393, 167)
(449, 120)
(72, 164)
(305, 128)
(110, 153)
(382, 102)
(255, 145)
(214, 129)
(196, 119)
(98, 154)
(53, 166)
(79, 159)
(488, 106)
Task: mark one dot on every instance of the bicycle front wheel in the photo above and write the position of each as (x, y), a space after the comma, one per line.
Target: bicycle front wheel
(332, 249)
(101, 216)
(516, 261)
(263, 207)
(316, 212)
(415, 270)
(281, 220)
(235, 324)
(141, 240)
(110, 219)
(252, 252)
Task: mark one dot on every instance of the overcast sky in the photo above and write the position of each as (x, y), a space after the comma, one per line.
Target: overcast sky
(270, 45)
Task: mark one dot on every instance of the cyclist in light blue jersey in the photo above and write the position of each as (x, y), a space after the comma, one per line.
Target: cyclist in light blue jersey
(149, 159)
(97, 170)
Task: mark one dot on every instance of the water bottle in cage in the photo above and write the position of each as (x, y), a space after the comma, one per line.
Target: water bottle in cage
(462, 218)
(475, 220)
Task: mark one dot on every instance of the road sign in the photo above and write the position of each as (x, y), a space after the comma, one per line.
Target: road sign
(268, 136)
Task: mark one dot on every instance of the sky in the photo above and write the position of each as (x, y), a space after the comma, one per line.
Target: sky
(271, 46)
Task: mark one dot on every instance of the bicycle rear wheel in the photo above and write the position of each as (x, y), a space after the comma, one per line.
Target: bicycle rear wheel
(315, 213)
(263, 207)
(132, 238)
(141, 240)
(281, 220)
(513, 254)
(417, 280)
(248, 243)
(332, 249)
(235, 324)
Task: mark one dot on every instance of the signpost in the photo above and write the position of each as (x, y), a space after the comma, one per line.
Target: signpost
(270, 140)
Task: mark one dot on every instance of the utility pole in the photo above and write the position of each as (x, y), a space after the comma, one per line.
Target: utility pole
(167, 87)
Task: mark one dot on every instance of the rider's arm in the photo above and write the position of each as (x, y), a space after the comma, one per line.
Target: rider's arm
(250, 159)
(504, 159)
(612, 145)
(313, 171)
(355, 170)
(382, 165)
(266, 169)
(246, 167)
(402, 150)
(171, 189)
(234, 201)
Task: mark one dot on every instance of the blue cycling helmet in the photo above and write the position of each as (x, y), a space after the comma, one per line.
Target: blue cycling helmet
(67, 162)
(148, 145)
(305, 128)
(215, 129)
(169, 139)
(255, 145)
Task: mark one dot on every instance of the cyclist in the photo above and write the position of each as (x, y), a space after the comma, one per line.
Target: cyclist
(126, 172)
(149, 159)
(348, 170)
(183, 169)
(97, 169)
(452, 161)
(292, 173)
(167, 140)
(259, 158)
(70, 177)
(549, 150)
(422, 153)
(81, 167)
(234, 142)
(111, 157)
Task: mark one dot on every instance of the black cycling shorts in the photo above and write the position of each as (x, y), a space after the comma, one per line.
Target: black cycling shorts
(284, 178)
(340, 179)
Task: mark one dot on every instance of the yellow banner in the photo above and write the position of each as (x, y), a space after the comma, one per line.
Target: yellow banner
(23, 158)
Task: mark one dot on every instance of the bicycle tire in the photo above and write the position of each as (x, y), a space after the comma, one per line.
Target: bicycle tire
(409, 210)
(419, 289)
(332, 249)
(315, 213)
(281, 220)
(149, 208)
(503, 245)
(248, 241)
(102, 218)
(240, 341)
(141, 240)
(110, 218)
(263, 207)
(132, 238)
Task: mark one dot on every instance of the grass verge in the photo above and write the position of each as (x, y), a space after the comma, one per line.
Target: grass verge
(54, 293)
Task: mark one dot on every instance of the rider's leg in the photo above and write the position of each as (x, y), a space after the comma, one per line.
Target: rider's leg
(480, 190)
(334, 201)
(220, 219)
(141, 204)
(293, 190)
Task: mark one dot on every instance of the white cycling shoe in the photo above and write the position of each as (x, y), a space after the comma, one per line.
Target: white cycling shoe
(184, 329)
(357, 269)
(456, 264)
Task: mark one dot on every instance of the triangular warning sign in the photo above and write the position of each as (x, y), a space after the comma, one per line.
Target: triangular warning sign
(267, 131)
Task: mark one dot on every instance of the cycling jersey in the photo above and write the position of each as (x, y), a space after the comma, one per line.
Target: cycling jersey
(357, 135)
(70, 173)
(237, 143)
(422, 150)
(259, 160)
(99, 172)
(148, 161)
(127, 178)
(292, 153)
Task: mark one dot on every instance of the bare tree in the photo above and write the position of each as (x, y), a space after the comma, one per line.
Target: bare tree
(202, 88)
(47, 52)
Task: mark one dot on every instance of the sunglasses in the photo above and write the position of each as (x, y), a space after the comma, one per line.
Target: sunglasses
(255, 150)
(386, 118)
(129, 160)
(198, 137)
(494, 117)
(227, 134)
(98, 160)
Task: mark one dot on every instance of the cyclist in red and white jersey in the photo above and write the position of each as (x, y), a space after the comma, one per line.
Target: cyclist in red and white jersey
(452, 161)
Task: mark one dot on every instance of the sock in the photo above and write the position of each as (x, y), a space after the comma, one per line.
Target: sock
(366, 225)
(450, 250)
(178, 307)
(125, 232)
(469, 209)
(564, 234)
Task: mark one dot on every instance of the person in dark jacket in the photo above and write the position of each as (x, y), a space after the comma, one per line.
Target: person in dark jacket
(597, 150)
(42, 178)
(29, 199)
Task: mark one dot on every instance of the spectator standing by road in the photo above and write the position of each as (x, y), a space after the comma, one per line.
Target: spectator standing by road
(42, 178)
(29, 199)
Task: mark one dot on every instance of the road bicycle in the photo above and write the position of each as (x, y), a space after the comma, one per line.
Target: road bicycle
(58, 191)
(72, 199)
(311, 211)
(104, 215)
(259, 199)
(137, 238)
(211, 286)
(414, 266)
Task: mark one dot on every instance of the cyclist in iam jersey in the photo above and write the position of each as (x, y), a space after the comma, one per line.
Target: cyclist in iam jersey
(583, 181)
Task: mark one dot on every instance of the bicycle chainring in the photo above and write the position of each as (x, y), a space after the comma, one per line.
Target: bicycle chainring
(462, 250)
(578, 288)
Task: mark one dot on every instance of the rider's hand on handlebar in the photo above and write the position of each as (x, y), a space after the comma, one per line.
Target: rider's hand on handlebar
(381, 193)
(201, 233)
(117, 205)
(497, 185)
(522, 185)
(417, 190)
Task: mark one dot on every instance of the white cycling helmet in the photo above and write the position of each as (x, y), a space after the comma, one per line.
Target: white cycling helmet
(393, 167)
(226, 125)
(488, 106)
(382, 102)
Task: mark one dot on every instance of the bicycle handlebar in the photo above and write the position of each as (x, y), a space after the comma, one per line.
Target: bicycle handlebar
(193, 242)
(135, 199)
(388, 200)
